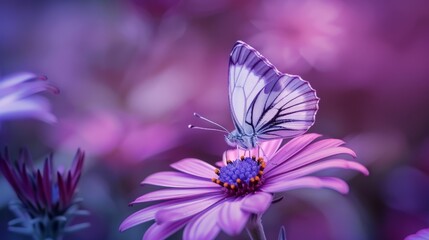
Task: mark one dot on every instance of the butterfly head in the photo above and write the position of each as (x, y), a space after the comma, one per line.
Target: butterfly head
(235, 138)
(232, 139)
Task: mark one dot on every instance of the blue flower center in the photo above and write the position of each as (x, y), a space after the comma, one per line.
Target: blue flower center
(242, 175)
(242, 169)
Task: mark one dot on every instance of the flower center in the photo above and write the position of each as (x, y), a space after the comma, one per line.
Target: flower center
(242, 175)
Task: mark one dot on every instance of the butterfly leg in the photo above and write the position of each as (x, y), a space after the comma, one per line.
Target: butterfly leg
(262, 150)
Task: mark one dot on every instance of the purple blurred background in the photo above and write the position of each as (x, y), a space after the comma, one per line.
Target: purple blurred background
(131, 74)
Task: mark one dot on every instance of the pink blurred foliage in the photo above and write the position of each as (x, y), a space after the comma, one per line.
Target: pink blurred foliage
(380, 149)
(300, 34)
(384, 55)
(116, 138)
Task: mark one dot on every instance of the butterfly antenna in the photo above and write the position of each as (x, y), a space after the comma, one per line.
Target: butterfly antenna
(210, 121)
(203, 128)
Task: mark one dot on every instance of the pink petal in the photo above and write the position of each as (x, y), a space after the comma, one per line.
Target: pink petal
(186, 209)
(221, 163)
(195, 167)
(204, 226)
(178, 180)
(173, 193)
(420, 235)
(257, 203)
(325, 143)
(144, 215)
(27, 89)
(312, 168)
(33, 107)
(163, 231)
(231, 218)
(15, 79)
(147, 214)
(306, 182)
(289, 149)
(268, 149)
(307, 157)
(232, 155)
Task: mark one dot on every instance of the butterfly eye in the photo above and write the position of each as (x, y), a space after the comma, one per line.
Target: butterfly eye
(230, 140)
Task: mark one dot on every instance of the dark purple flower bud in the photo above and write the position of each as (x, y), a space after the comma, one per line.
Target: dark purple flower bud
(47, 199)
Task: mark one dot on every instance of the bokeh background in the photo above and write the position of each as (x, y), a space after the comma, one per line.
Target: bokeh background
(132, 72)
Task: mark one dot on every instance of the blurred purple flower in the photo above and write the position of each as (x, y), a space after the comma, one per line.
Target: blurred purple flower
(301, 34)
(420, 235)
(17, 100)
(207, 199)
(47, 200)
(110, 135)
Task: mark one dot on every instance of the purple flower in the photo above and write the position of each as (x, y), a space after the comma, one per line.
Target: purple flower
(207, 200)
(17, 100)
(46, 198)
(420, 235)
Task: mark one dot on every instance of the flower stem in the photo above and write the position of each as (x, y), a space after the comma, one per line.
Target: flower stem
(255, 229)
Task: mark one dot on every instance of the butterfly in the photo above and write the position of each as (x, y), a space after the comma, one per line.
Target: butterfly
(265, 103)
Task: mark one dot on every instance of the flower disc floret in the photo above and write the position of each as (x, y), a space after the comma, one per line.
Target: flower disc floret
(242, 175)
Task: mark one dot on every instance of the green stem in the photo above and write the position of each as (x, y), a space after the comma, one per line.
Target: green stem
(255, 229)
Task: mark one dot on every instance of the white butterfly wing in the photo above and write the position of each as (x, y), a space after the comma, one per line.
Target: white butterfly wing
(266, 102)
(244, 84)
